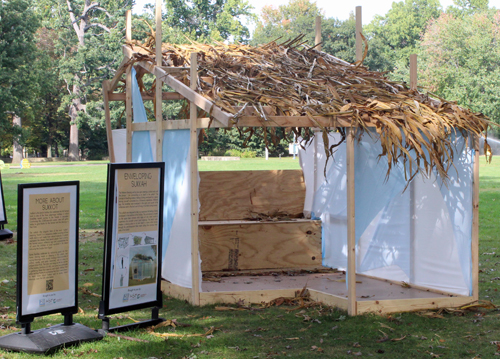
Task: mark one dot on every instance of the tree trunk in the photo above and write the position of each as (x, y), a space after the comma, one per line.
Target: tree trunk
(18, 150)
(76, 105)
(73, 153)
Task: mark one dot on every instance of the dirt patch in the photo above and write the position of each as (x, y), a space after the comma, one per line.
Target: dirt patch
(90, 235)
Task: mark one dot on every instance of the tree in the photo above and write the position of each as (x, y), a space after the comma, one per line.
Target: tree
(210, 19)
(461, 60)
(88, 47)
(287, 22)
(396, 35)
(18, 25)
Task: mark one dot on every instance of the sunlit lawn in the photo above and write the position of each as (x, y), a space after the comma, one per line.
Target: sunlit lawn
(277, 332)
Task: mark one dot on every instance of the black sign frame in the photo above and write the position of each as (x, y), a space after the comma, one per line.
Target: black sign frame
(67, 311)
(104, 307)
(2, 222)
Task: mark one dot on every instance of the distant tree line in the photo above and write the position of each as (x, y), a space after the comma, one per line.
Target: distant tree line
(54, 55)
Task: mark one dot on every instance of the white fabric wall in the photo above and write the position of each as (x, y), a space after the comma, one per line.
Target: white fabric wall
(177, 197)
(438, 252)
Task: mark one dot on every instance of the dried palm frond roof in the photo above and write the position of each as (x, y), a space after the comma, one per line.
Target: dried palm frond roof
(292, 79)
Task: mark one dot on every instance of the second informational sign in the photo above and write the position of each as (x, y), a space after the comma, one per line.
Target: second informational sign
(134, 214)
(47, 249)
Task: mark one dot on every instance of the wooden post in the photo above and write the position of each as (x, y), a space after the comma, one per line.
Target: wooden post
(159, 87)
(359, 29)
(413, 71)
(128, 95)
(128, 25)
(413, 86)
(128, 111)
(316, 131)
(195, 265)
(475, 221)
(351, 233)
(317, 39)
(107, 116)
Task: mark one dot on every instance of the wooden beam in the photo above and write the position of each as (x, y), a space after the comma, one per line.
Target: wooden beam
(328, 299)
(128, 111)
(176, 291)
(107, 116)
(359, 30)
(195, 253)
(295, 121)
(192, 96)
(351, 234)
(166, 96)
(409, 305)
(119, 73)
(188, 93)
(128, 25)
(413, 71)
(317, 39)
(475, 221)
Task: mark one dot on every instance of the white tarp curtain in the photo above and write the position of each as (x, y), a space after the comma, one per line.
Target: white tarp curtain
(177, 197)
(434, 252)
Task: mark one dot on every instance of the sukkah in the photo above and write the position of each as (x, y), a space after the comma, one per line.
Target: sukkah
(293, 79)
(369, 226)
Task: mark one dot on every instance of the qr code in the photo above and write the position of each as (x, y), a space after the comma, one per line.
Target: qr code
(49, 284)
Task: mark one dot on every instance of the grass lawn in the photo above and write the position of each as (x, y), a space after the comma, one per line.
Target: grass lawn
(275, 332)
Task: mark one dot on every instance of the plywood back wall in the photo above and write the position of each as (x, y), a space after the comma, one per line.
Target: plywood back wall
(237, 195)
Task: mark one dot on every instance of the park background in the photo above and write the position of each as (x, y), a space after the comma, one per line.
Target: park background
(55, 54)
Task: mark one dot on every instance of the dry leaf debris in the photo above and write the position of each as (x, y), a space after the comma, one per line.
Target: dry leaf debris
(293, 79)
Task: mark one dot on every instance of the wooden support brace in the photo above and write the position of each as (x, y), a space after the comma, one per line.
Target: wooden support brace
(107, 116)
(194, 186)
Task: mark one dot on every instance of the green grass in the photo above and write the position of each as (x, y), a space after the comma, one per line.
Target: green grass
(277, 332)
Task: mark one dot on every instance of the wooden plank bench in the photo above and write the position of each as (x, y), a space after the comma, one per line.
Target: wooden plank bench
(231, 238)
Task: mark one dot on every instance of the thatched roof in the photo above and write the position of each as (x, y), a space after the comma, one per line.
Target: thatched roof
(292, 79)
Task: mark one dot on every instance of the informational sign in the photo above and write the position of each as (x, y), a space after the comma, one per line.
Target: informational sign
(3, 215)
(47, 249)
(134, 214)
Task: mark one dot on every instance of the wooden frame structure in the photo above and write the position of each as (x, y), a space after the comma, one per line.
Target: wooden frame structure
(351, 301)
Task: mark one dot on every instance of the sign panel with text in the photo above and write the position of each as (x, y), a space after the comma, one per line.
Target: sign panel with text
(132, 258)
(47, 249)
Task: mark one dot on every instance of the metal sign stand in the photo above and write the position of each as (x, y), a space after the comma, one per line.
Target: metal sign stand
(31, 305)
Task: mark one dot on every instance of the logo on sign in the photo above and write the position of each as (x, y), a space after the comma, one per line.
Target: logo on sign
(56, 332)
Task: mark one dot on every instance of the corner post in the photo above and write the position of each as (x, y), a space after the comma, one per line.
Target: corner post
(317, 39)
(128, 95)
(475, 221)
(359, 30)
(412, 204)
(159, 87)
(351, 233)
(195, 265)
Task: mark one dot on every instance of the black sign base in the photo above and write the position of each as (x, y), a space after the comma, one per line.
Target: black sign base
(5, 234)
(47, 340)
